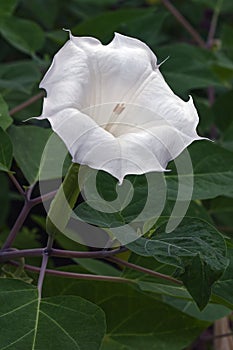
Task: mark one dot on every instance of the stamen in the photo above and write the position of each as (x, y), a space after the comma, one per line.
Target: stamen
(119, 108)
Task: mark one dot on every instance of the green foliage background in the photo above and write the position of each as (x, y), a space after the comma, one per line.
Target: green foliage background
(146, 312)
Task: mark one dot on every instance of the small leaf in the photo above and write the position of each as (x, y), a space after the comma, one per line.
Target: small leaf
(27, 323)
(23, 34)
(5, 118)
(6, 151)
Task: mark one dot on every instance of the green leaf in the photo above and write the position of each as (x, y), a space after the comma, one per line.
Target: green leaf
(6, 151)
(211, 312)
(5, 118)
(23, 34)
(114, 206)
(28, 144)
(134, 321)
(98, 267)
(221, 5)
(223, 288)
(19, 76)
(27, 323)
(104, 25)
(7, 7)
(212, 172)
(49, 8)
(196, 248)
(188, 67)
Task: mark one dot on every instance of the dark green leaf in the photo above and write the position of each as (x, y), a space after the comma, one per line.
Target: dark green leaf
(5, 118)
(27, 323)
(6, 151)
(19, 76)
(23, 34)
(7, 7)
(188, 67)
(223, 288)
(196, 248)
(211, 312)
(133, 320)
(29, 143)
(115, 206)
(104, 25)
(212, 172)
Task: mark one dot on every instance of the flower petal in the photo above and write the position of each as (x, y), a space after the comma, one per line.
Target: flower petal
(113, 109)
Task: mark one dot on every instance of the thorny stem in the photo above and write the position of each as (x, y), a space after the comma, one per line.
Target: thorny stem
(144, 270)
(75, 275)
(180, 18)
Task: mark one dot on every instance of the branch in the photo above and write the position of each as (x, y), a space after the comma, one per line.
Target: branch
(213, 24)
(82, 276)
(183, 21)
(16, 183)
(16, 254)
(26, 103)
(18, 224)
(144, 270)
(44, 265)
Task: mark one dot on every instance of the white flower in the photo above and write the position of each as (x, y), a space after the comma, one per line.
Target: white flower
(113, 109)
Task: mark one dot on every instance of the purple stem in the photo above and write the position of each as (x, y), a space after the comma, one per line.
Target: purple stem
(16, 183)
(44, 265)
(75, 275)
(144, 270)
(183, 21)
(16, 254)
(18, 224)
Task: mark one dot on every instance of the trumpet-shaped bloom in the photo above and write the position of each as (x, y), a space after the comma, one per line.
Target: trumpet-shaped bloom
(113, 109)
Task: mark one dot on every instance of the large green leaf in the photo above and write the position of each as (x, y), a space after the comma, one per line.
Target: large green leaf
(5, 119)
(6, 151)
(196, 248)
(27, 323)
(212, 172)
(23, 34)
(134, 321)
